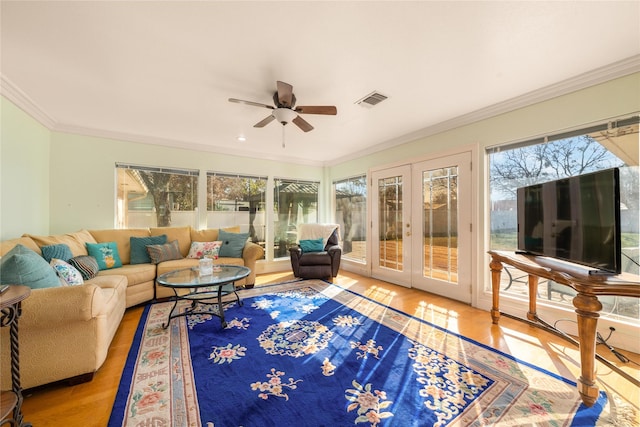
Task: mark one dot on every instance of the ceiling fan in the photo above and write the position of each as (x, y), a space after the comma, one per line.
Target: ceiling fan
(285, 110)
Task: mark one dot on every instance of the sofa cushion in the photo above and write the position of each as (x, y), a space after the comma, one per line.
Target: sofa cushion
(122, 237)
(204, 249)
(69, 275)
(106, 254)
(22, 266)
(27, 242)
(166, 252)
(181, 234)
(312, 245)
(58, 251)
(76, 241)
(211, 234)
(139, 252)
(86, 265)
(136, 274)
(232, 243)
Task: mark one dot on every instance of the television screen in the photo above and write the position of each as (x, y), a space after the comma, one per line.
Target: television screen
(575, 219)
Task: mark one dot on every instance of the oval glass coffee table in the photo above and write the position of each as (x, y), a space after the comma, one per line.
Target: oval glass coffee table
(203, 291)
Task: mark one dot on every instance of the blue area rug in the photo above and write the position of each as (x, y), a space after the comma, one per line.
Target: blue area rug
(309, 353)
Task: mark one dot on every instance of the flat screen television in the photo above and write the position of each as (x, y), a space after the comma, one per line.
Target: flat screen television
(575, 219)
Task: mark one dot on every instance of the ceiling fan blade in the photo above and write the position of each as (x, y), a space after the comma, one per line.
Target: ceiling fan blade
(262, 123)
(302, 124)
(317, 109)
(255, 104)
(285, 94)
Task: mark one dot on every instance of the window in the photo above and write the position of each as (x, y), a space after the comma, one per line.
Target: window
(350, 201)
(560, 156)
(156, 197)
(294, 202)
(237, 200)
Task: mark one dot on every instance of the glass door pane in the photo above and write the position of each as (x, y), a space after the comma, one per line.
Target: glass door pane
(390, 222)
(440, 223)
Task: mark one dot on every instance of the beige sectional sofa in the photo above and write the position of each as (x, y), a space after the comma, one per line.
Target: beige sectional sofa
(65, 332)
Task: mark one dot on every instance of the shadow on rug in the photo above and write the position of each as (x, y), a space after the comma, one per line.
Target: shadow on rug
(309, 353)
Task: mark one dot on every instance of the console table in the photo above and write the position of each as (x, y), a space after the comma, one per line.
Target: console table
(586, 303)
(10, 306)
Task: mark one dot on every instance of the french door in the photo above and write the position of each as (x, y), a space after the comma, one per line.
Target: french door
(421, 226)
(391, 222)
(442, 207)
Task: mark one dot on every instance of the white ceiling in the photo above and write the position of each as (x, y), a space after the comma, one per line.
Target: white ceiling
(162, 71)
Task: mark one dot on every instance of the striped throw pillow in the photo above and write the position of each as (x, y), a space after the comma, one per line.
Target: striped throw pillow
(167, 252)
(86, 265)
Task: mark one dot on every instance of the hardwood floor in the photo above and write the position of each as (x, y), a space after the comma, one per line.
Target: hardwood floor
(89, 404)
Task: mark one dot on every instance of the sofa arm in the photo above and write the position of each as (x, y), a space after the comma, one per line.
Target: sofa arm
(295, 253)
(250, 254)
(62, 305)
(335, 252)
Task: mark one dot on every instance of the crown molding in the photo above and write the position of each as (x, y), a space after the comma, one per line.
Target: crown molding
(14, 94)
(591, 78)
(600, 75)
(177, 144)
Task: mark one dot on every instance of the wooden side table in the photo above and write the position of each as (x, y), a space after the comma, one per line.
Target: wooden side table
(11, 309)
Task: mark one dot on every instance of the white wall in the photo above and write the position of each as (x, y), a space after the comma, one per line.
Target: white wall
(24, 173)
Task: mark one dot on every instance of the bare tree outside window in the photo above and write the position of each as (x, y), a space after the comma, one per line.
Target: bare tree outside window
(526, 164)
(156, 197)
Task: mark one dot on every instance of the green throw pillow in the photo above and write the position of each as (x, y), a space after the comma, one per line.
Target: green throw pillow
(59, 251)
(106, 254)
(232, 243)
(139, 253)
(314, 245)
(22, 266)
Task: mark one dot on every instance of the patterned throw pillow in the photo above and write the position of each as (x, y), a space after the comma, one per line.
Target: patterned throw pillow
(204, 249)
(106, 254)
(139, 252)
(59, 251)
(86, 265)
(167, 252)
(68, 273)
(232, 243)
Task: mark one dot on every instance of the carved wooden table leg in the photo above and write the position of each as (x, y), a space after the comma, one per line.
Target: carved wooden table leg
(532, 314)
(496, 269)
(587, 308)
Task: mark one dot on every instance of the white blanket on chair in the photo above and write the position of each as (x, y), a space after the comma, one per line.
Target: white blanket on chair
(316, 231)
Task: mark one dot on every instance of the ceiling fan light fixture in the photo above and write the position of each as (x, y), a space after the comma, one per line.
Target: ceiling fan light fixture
(284, 115)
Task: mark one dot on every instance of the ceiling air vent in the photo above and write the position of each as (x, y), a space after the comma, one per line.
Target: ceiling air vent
(374, 98)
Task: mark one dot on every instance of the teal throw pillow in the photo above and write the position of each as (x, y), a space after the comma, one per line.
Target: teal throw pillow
(314, 245)
(232, 243)
(106, 254)
(22, 266)
(139, 253)
(59, 251)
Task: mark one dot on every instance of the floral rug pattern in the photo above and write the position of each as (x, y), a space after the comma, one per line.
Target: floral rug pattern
(310, 353)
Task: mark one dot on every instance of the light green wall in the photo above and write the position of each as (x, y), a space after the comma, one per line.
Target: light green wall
(24, 173)
(597, 103)
(54, 182)
(83, 196)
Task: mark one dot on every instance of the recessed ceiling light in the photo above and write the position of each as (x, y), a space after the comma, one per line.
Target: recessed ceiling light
(242, 138)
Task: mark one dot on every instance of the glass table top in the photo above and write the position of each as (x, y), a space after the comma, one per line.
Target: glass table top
(191, 278)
